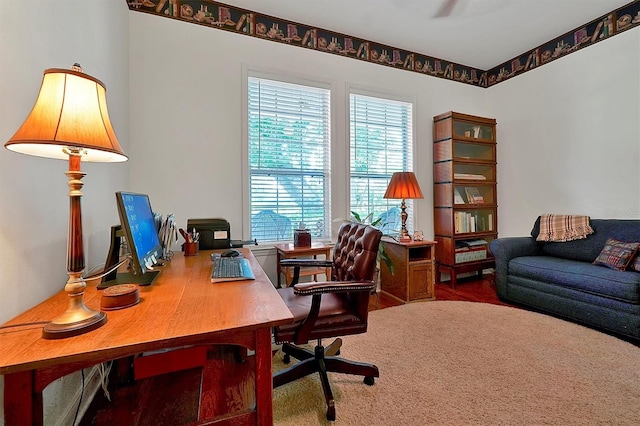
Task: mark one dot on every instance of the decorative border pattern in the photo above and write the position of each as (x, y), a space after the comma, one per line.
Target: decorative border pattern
(606, 26)
(229, 18)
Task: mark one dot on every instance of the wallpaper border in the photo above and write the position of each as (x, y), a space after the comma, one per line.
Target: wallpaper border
(241, 21)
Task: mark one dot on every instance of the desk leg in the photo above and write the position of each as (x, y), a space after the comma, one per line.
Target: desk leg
(22, 405)
(327, 272)
(315, 276)
(278, 268)
(264, 377)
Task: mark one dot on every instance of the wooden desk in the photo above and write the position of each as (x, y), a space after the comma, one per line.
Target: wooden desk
(181, 308)
(288, 251)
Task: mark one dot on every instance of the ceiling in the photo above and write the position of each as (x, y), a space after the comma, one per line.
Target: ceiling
(476, 33)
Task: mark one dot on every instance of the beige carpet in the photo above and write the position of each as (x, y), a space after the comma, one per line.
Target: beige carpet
(463, 363)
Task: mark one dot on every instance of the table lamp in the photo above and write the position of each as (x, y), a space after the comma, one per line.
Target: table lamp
(70, 121)
(403, 185)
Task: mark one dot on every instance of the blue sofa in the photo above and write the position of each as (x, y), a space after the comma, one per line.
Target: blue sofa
(559, 278)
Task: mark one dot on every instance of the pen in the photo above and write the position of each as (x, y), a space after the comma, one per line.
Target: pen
(184, 234)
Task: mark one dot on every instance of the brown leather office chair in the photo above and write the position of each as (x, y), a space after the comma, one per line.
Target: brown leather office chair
(329, 309)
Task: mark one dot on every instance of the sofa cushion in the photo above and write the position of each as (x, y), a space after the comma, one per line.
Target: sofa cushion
(616, 254)
(588, 249)
(605, 282)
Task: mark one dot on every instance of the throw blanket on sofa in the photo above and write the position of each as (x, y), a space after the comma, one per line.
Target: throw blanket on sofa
(558, 227)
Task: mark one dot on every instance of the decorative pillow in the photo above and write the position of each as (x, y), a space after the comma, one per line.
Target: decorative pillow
(635, 264)
(616, 254)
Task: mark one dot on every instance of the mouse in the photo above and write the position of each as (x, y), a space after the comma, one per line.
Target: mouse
(231, 253)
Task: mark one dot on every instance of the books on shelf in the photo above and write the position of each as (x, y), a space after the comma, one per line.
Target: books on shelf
(471, 254)
(474, 196)
(473, 243)
(457, 197)
(470, 250)
(465, 222)
(469, 176)
(474, 132)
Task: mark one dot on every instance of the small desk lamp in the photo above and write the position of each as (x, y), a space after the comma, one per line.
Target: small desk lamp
(403, 185)
(70, 121)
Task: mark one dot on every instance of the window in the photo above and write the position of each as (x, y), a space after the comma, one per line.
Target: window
(381, 143)
(289, 162)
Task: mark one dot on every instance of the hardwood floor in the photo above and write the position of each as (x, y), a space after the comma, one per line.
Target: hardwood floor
(476, 290)
(145, 402)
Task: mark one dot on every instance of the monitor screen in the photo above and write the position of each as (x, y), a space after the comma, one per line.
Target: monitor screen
(139, 229)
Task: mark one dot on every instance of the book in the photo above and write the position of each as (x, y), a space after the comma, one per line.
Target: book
(457, 197)
(475, 243)
(474, 196)
(469, 176)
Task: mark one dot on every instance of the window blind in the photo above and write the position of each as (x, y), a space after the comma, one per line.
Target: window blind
(380, 144)
(289, 162)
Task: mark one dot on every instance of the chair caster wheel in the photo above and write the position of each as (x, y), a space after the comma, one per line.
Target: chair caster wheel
(369, 380)
(287, 358)
(331, 413)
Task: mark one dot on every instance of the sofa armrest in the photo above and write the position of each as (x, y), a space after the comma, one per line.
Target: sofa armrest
(507, 248)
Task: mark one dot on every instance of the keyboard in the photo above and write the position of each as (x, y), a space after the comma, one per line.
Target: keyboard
(231, 269)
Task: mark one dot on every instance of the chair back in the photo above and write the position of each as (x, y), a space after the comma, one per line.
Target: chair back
(355, 252)
(337, 313)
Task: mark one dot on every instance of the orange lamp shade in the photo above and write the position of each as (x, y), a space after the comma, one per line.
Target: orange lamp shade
(70, 111)
(403, 185)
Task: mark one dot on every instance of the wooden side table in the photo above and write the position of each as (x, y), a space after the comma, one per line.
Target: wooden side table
(288, 251)
(414, 270)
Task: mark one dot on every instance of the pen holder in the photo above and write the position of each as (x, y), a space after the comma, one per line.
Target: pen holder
(191, 249)
(301, 238)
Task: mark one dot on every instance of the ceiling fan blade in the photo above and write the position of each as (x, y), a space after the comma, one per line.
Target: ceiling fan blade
(446, 8)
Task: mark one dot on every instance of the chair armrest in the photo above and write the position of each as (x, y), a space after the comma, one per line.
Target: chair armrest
(507, 248)
(314, 263)
(313, 288)
(297, 264)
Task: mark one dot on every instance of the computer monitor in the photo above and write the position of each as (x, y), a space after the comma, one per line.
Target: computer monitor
(138, 227)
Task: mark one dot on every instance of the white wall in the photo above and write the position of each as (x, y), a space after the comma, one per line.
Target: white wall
(569, 136)
(34, 206)
(186, 114)
(176, 105)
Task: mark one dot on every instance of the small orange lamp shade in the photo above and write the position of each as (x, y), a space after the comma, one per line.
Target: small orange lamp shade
(403, 185)
(71, 111)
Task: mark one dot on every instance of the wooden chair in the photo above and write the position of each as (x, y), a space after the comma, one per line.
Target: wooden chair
(329, 309)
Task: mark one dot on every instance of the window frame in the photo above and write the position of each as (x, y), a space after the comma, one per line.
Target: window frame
(328, 184)
(409, 162)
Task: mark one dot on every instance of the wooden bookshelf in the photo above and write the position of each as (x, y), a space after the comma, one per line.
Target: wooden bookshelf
(465, 193)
